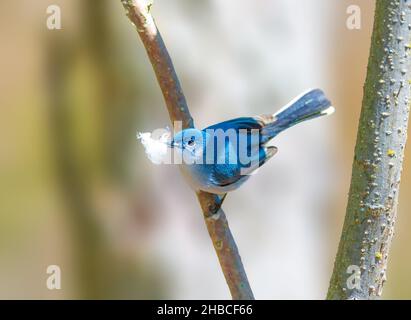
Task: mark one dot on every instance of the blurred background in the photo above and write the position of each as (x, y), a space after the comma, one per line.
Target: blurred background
(77, 191)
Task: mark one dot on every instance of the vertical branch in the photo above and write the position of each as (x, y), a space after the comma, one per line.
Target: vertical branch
(138, 11)
(372, 204)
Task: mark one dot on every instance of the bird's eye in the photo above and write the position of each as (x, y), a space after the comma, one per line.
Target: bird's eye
(191, 142)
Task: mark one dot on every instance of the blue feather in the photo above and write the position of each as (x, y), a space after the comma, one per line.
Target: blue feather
(310, 105)
(233, 141)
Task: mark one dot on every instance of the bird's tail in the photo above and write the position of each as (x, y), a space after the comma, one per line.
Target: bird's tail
(311, 104)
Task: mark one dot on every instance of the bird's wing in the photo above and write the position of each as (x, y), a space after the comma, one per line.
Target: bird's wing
(226, 174)
(248, 123)
(223, 175)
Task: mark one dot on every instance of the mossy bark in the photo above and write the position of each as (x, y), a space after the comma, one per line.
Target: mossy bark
(372, 204)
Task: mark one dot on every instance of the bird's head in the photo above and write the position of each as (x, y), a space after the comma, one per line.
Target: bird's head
(192, 143)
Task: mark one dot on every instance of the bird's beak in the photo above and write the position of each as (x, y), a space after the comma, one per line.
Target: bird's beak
(173, 144)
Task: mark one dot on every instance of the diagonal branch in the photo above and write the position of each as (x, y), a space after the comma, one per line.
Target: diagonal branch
(379, 152)
(138, 11)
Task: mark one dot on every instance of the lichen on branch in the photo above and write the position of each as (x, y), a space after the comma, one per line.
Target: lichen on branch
(376, 173)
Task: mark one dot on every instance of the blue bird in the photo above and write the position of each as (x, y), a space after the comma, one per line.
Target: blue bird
(221, 157)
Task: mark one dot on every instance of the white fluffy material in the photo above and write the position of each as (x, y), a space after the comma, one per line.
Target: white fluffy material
(156, 149)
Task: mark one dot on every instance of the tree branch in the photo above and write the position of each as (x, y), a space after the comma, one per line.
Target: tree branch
(138, 11)
(225, 246)
(372, 205)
